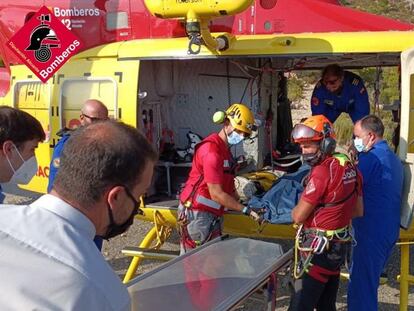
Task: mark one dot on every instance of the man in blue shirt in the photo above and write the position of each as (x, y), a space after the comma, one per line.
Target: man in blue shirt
(92, 110)
(340, 91)
(20, 134)
(377, 231)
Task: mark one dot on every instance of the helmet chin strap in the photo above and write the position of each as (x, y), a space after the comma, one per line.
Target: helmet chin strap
(225, 134)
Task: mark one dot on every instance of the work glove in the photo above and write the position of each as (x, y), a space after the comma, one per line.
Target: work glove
(255, 216)
(352, 152)
(252, 214)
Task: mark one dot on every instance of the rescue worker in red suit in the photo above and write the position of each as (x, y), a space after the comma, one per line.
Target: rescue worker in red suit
(332, 196)
(210, 185)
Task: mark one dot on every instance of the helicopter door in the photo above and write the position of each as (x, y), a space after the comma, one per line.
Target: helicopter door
(406, 150)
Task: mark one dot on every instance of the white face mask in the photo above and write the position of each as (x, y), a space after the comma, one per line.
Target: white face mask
(234, 138)
(359, 145)
(24, 174)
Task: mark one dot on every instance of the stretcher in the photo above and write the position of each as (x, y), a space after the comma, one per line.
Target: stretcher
(219, 275)
(163, 216)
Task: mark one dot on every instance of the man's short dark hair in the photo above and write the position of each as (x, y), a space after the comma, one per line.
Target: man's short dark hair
(373, 123)
(334, 70)
(99, 156)
(19, 126)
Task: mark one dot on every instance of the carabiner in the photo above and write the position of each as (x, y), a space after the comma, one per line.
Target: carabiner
(194, 40)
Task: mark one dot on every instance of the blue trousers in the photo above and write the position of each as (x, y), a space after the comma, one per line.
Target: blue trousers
(369, 257)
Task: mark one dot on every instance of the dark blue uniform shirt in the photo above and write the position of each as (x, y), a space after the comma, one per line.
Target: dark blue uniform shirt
(382, 174)
(1, 196)
(377, 231)
(54, 164)
(352, 99)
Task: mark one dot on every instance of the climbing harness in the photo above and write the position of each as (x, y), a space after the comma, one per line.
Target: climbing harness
(186, 239)
(319, 242)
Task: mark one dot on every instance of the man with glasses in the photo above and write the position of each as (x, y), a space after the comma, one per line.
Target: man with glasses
(340, 91)
(210, 185)
(93, 110)
(49, 261)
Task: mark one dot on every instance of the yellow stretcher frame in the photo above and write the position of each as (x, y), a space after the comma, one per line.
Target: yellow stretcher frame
(164, 219)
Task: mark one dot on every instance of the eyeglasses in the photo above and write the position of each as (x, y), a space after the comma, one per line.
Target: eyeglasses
(137, 204)
(93, 119)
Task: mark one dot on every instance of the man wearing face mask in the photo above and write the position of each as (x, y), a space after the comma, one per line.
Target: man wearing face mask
(49, 261)
(210, 185)
(340, 91)
(377, 231)
(332, 196)
(20, 134)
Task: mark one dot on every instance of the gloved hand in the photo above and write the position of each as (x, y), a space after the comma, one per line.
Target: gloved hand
(353, 153)
(255, 216)
(252, 214)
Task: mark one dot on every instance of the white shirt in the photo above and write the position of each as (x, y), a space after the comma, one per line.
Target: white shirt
(48, 261)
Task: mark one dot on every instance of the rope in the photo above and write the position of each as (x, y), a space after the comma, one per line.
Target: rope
(228, 82)
(377, 91)
(163, 231)
(321, 238)
(296, 272)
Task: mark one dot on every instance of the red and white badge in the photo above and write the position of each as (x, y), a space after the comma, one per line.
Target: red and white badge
(44, 44)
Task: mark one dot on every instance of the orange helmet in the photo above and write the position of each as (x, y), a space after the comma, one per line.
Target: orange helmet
(314, 128)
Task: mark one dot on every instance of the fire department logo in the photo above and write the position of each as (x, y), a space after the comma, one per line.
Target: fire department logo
(42, 39)
(44, 44)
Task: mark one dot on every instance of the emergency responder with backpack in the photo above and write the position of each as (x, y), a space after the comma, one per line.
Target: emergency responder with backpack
(332, 196)
(210, 185)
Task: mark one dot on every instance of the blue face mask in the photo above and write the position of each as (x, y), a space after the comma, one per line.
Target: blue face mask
(234, 138)
(359, 145)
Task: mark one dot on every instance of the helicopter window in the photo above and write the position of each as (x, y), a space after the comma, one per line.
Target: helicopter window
(75, 92)
(33, 97)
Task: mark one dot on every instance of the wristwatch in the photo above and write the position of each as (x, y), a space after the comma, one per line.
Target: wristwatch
(246, 210)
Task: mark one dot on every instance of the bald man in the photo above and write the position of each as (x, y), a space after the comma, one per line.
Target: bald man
(92, 110)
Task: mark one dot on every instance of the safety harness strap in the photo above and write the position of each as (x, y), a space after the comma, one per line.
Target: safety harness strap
(343, 160)
(338, 233)
(321, 274)
(207, 202)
